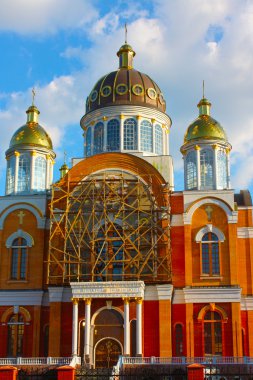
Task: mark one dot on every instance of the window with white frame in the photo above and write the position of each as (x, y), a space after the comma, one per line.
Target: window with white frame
(158, 139)
(88, 142)
(113, 135)
(24, 172)
(206, 169)
(222, 169)
(40, 168)
(10, 175)
(146, 136)
(191, 171)
(98, 138)
(210, 239)
(130, 134)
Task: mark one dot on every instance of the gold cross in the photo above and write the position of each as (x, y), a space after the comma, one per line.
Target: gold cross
(209, 212)
(21, 215)
(33, 95)
(125, 33)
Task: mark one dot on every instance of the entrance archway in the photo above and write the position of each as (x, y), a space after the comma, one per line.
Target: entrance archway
(107, 352)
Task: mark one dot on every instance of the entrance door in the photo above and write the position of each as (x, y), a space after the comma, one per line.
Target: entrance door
(107, 353)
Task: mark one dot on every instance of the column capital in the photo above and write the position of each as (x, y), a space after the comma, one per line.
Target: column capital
(33, 153)
(75, 301)
(105, 118)
(139, 300)
(138, 117)
(153, 121)
(197, 147)
(215, 146)
(122, 116)
(87, 301)
(17, 154)
(126, 300)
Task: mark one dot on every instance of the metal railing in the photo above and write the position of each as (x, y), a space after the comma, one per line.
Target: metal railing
(39, 361)
(126, 360)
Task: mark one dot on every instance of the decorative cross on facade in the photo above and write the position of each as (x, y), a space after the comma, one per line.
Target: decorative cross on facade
(209, 212)
(21, 215)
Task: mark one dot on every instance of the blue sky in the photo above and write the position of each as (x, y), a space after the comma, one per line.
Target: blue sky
(61, 48)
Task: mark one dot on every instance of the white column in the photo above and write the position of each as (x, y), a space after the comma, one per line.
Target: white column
(105, 148)
(153, 121)
(121, 136)
(139, 327)
(75, 327)
(16, 172)
(87, 327)
(126, 327)
(215, 167)
(197, 148)
(33, 154)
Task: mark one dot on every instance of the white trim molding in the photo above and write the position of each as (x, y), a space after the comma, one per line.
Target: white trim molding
(21, 297)
(247, 303)
(158, 292)
(209, 228)
(110, 289)
(232, 216)
(21, 234)
(245, 232)
(207, 295)
(23, 206)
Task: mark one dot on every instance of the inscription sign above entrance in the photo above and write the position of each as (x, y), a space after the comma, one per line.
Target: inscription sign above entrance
(110, 289)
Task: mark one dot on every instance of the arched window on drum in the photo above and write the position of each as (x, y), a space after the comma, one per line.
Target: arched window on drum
(24, 173)
(222, 169)
(130, 134)
(40, 173)
(98, 138)
(206, 169)
(191, 171)
(146, 136)
(88, 142)
(158, 139)
(113, 135)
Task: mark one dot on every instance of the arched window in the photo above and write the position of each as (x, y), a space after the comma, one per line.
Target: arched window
(130, 134)
(24, 175)
(113, 135)
(222, 169)
(158, 139)
(40, 173)
(191, 171)
(88, 142)
(19, 249)
(146, 136)
(210, 254)
(15, 335)
(206, 169)
(179, 348)
(99, 138)
(10, 175)
(212, 333)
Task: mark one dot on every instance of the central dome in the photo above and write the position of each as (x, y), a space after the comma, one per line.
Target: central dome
(125, 86)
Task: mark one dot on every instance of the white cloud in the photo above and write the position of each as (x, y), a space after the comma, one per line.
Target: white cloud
(175, 47)
(44, 16)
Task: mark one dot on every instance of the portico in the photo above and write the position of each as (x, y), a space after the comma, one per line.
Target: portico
(128, 291)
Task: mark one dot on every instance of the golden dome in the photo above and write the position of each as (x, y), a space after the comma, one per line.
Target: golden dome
(204, 127)
(125, 86)
(31, 133)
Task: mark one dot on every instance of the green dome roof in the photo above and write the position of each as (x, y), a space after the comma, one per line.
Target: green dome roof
(204, 127)
(31, 133)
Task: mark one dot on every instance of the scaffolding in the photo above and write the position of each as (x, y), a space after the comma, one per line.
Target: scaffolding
(109, 227)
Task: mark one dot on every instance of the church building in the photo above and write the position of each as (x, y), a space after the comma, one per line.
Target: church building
(111, 260)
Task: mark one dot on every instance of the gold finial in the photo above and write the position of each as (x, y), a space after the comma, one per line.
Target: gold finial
(125, 33)
(33, 95)
(203, 88)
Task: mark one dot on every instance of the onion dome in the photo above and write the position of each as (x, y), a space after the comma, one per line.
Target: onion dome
(205, 127)
(125, 86)
(31, 133)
